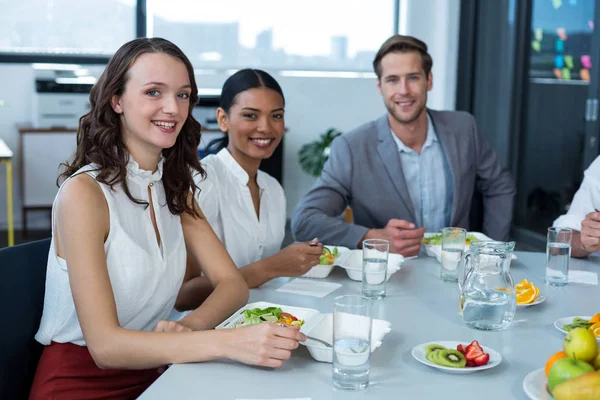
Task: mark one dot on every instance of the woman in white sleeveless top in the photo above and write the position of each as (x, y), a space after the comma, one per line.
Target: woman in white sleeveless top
(123, 223)
(245, 206)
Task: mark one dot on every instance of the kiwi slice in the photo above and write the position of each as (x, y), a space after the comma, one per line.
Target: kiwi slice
(430, 348)
(450, 358)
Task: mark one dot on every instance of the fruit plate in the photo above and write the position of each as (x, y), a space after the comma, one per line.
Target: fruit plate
(535, 385)
(561, 322)
(540, 299)
(436, 250)
(323, 271)
(418, 352)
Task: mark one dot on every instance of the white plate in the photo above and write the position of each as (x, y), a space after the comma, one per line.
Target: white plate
(535, 385)
(310, 316)
(323, 271)
(324, 331)
(540, 299)
(436, 250)
(418, 352)
(352, 263)
(559, 323)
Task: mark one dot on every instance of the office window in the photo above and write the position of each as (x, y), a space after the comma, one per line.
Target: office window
(275, 34)
(65, 27)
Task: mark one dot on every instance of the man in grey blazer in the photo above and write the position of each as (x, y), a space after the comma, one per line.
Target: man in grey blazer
(410, 171)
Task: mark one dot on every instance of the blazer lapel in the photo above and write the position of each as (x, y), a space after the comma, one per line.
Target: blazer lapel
(450, 145)
(388, 152)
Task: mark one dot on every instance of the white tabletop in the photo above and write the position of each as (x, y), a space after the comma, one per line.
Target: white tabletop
(5, 152)
(421, 309)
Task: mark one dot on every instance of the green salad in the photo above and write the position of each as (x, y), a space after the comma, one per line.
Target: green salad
(436, 240)
(328, 257)
(269, 314)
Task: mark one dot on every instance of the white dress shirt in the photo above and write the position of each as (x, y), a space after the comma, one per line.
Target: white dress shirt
(431, 192)
(225, 200)
(585, 201)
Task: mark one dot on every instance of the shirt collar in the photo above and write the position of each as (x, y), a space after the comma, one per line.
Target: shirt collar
(429, 139)
(240, 173)
(136, 173)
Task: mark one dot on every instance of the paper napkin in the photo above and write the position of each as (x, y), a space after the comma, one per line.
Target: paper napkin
(590, 278)
(309, 287)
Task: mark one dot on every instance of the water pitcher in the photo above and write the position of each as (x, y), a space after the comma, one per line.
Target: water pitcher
(487, 291)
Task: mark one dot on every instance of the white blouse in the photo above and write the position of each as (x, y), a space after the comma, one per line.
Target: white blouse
(585, 201)
(144, 276)
(225, 200)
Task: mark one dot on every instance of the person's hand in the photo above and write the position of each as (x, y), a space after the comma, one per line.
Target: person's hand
(403, 236)
(171, 326)
(266, 344)
(298, 258)
(590, 232)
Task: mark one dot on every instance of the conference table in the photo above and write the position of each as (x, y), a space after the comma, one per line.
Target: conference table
(421, 308)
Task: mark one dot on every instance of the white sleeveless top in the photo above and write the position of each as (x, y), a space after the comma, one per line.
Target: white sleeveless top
(145, 277)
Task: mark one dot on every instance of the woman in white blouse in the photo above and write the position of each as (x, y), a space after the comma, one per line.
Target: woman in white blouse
(244, 205)
(123, 222)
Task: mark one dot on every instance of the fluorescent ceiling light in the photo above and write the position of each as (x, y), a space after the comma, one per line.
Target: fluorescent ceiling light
(61, 67)
(90, 80)
(209, 92)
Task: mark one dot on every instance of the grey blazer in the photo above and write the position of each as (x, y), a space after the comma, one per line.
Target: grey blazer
(364, 171)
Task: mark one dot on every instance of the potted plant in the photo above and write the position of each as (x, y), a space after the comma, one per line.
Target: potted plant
(313, 155)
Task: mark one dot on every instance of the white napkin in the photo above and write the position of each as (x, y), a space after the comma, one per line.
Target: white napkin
(590, 278)
(309, 287)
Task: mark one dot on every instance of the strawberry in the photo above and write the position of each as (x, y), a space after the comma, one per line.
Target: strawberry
(481, 360)
(473, 350)
(470, 363)
(461, 348)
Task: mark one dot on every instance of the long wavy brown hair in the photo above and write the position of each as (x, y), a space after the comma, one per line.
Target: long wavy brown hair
(99, 138)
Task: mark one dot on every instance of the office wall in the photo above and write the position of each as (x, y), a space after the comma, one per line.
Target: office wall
(313, 104)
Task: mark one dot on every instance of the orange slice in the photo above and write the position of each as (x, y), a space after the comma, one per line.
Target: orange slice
(596, 331)
(523, 285)
(595, 318)
(526, 296)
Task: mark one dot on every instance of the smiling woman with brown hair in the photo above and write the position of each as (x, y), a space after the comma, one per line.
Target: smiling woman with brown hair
(123, 222)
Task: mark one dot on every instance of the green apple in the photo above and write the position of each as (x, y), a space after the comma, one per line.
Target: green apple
(580, 344)
(596, 363)
(565, 369)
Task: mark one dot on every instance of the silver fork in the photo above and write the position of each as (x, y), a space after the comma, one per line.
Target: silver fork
(323, 342)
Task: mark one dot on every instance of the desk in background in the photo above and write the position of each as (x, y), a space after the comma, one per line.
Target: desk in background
(41, 152)
(6, 158)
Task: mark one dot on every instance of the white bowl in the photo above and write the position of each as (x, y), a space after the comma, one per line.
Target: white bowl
(535, 385)
(561, 322)
(310, 316)
(324, 331)
(323, 271)
(353, 264)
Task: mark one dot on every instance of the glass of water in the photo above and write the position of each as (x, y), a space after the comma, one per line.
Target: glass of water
(351, 342)
(453, 246)
(558, 252)
(374, 268)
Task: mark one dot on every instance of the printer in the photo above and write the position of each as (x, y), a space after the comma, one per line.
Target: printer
(61, 95)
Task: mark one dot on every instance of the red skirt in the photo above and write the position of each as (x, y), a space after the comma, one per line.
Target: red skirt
(68, 371)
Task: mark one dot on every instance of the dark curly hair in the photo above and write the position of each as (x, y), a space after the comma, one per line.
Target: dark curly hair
(99, 138)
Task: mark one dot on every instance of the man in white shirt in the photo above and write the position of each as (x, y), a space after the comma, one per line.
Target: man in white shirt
(583, 216)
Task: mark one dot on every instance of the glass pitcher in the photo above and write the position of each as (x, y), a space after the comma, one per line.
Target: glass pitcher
(487, 291)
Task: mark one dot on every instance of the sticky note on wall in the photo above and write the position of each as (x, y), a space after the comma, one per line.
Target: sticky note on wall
(562, 33)
(586, 61)
(539, 34)
(584, 74)
(559, 61)
(536, 46)
(569, 62)
(557, 4)
(559, 46)
(557, 73)
(566, 74)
